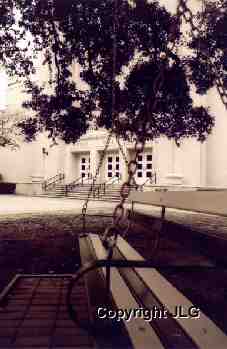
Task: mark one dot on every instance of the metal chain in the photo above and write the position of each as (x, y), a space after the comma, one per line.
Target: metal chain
(120, 215)
(84, 209)
(103, 153)
(183, 11)
(122, 150)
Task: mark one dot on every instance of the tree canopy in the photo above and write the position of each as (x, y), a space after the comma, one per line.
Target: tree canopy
(84, 31)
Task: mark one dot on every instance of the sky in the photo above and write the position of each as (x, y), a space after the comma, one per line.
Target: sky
(171, 5)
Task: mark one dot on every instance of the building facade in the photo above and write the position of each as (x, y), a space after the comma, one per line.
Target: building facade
(162, 163)
(191, 164)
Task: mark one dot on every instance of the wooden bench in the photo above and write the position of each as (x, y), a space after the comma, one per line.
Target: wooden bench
(204, 201)
(139, 291)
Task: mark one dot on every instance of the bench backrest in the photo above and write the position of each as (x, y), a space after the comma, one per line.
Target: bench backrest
(145, 288)
(211, 202)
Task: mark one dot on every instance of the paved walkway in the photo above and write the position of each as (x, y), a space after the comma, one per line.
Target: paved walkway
(13, 205)
(36, 316)
(22, 205)
(204, 223)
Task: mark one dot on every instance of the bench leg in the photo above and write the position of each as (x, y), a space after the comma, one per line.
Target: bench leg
(163, 214)
(157, 230)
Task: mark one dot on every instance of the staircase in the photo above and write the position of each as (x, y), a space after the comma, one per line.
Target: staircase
(80, 192)
(112, 193)
(57, 191)
(79, 189)
(54, 186)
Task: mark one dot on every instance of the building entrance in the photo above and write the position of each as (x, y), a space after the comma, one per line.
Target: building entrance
(113, 166)
(144, 169)
(85, 166)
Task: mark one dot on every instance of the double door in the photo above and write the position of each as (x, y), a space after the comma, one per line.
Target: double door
(85, 166)
(112, 166)
(144, 169)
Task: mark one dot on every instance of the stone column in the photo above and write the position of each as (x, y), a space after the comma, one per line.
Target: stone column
(203, 164)
(69, 166)
(123, 165)
(94, 160)
(217, 142)
(175, 177)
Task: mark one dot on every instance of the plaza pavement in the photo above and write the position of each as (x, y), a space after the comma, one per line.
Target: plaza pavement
(12, 206)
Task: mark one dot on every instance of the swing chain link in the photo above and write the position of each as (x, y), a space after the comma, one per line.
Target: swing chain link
(120, 214)
(111, 132)
(103, 153)
(122, 150)
(183, 11)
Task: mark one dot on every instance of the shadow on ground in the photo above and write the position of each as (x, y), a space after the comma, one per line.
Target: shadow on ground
(49, 244)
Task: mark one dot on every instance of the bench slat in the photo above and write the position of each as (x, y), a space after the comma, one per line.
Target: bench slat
(203, 331)
(168, 329)
(141, 333)
(211, 202)
(96, 295)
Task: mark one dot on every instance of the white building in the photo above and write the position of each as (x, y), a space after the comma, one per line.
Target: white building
(191, 164)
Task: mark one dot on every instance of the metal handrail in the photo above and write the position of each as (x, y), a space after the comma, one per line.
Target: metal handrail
(52, 181)
(99, 189)
(150, 180)
(113, 180)
(73, 184)
(78, 181)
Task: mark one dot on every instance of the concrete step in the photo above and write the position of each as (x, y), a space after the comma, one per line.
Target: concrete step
(104, 198)
(80, 196)
(81, 192)
(53, 193)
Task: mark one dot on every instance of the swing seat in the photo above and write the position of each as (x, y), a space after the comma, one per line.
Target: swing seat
(140, 311)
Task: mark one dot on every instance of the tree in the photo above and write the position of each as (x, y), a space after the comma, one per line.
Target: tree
(85, 31)
(208, 61)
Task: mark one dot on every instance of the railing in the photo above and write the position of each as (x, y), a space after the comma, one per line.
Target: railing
(150, 180)
(52, 181)
(73, 184)
(99, 189)
(105, 185)
(113, 180)
(79, 181)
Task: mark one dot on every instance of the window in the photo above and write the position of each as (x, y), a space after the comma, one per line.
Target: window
(83, 160)
(140, 158)
(149, 157)
(139, 166)
(113, 165)
(139, 174)
(149, 174)
(83, 174)
(149, 166)
(83, 167)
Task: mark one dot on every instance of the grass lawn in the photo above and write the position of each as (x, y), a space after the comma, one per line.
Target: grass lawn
(42, 243)
(49, 244)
